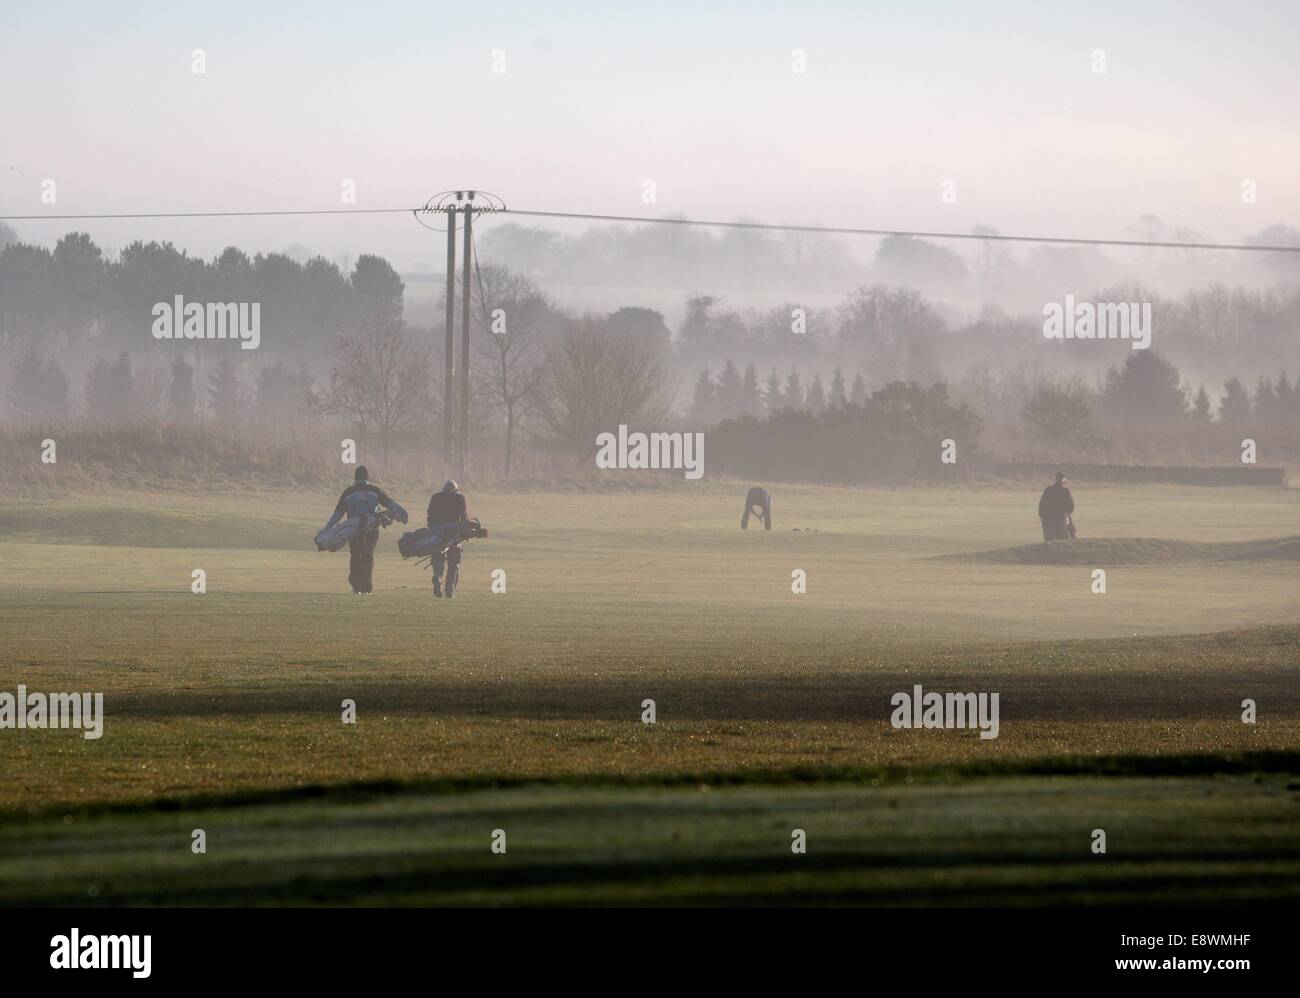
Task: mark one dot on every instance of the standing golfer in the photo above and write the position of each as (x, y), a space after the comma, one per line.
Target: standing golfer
(363, 499)
(1054, 509)
(447, 508)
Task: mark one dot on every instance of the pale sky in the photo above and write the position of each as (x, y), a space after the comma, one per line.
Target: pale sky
(700, 98)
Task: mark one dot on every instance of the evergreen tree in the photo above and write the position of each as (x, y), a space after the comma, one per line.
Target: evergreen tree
(1265, 402)
(816, 394)
(281, 394)
(858, 394)
(55, 384)
(729, 390)
(1284, 397)
(39, 388)
(1146, 391)
(838, 396)
(792, 397)
(1290, 404)
(704, 406)
(1201, 407)
(751, 398)
(772, 398)
(180, 394)
(225, 394)
(1234, 407)
(110, 388)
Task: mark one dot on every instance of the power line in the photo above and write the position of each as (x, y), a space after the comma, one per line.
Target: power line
(205, 214)
(849, 231)
(703, 223)
(479, 277)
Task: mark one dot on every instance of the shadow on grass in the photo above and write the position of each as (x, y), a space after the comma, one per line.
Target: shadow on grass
(1189, 764)
(942, 878)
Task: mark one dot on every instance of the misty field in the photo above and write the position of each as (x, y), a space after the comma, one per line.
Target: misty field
(223, 710)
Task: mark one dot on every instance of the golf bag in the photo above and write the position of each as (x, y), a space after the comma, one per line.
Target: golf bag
(426, 541)
(336, 538)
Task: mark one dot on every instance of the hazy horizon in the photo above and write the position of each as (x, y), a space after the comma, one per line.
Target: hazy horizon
(402, 99)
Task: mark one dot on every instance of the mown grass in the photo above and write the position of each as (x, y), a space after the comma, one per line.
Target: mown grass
(999, 840)
(615, 597)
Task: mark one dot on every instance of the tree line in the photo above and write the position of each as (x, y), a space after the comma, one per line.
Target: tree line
(74, 328)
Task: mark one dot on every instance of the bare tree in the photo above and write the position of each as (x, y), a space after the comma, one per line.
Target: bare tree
(596, 381)
(379, 381)
(515, 320)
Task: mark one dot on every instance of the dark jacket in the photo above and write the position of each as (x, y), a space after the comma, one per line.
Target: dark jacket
(757, 503)
(447, 507)
(1056, 503)
(361, 498)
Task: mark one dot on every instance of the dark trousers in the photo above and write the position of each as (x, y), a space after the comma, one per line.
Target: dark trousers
(1054, 528)
(762, 510)
(361, 567)
(451, 559)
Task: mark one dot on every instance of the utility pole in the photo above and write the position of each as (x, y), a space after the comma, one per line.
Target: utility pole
(449, 204)
(465, 258)
(449, 359)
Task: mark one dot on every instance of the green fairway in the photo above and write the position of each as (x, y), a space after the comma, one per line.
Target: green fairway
(999, 840)
(615, 597)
